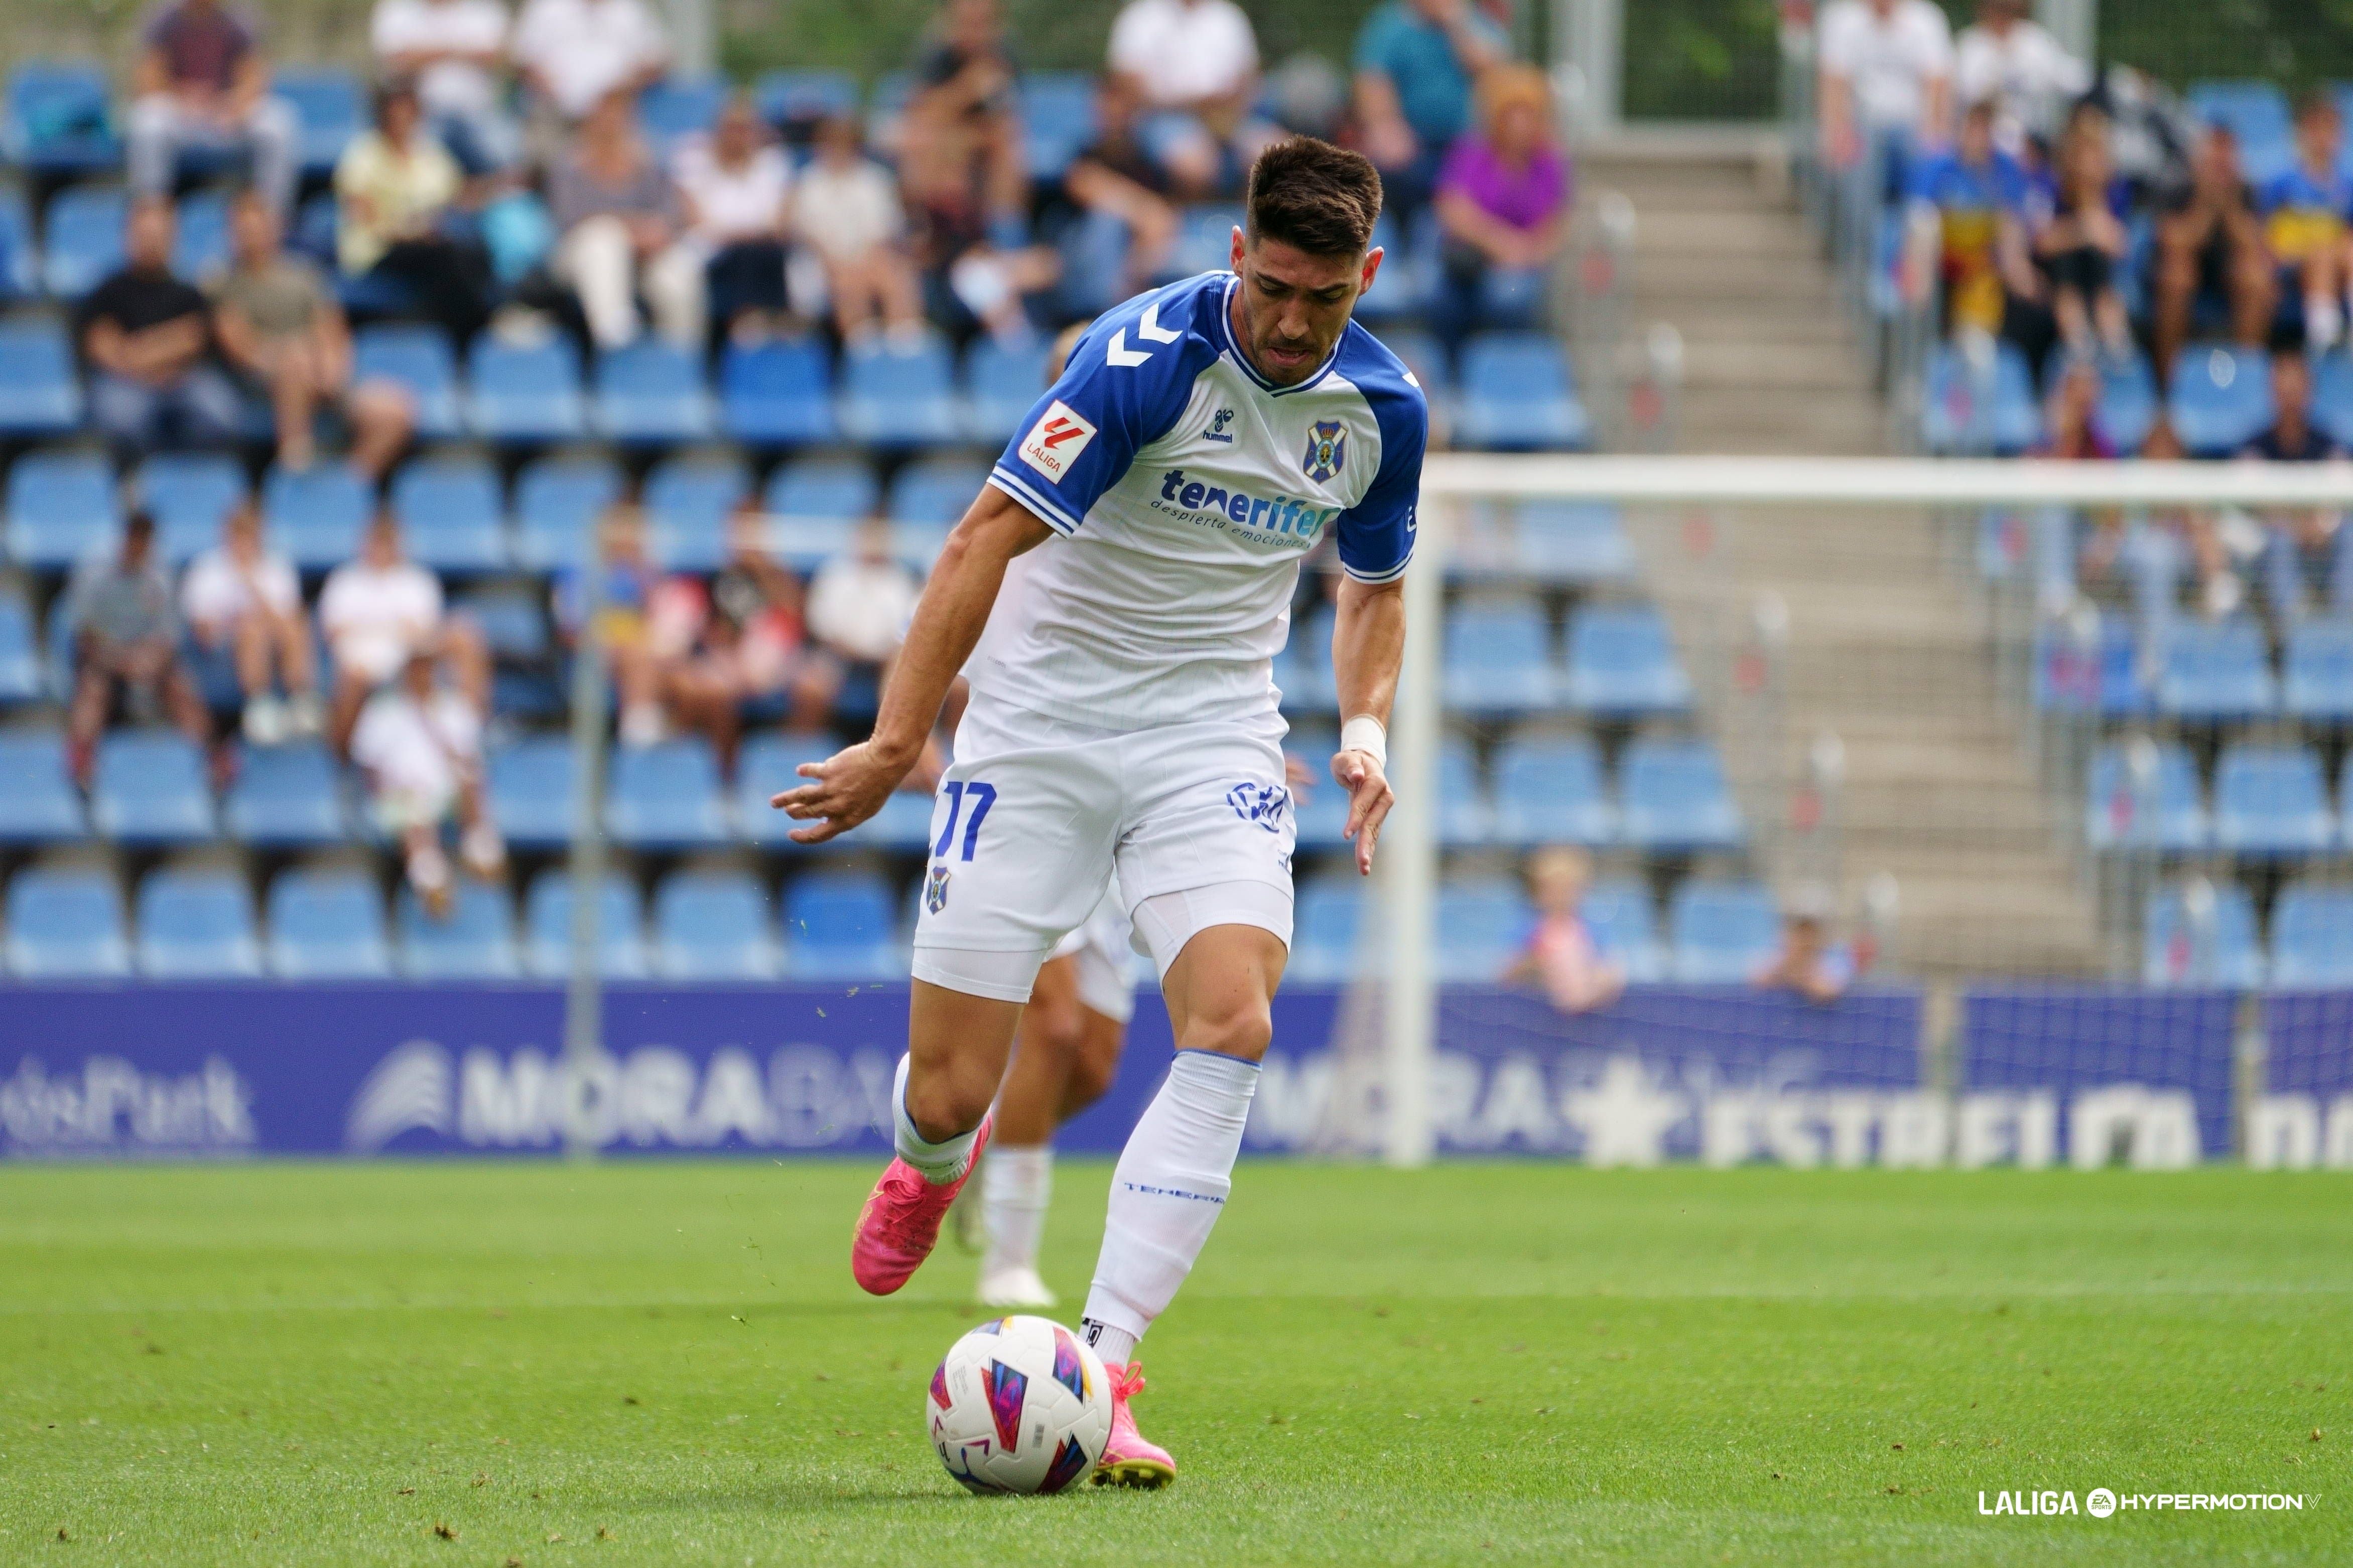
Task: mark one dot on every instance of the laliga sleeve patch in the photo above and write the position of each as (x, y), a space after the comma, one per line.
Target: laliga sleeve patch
(1055, 442)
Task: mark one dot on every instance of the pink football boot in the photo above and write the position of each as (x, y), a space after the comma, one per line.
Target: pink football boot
(1128, 1460)
(901, 1222)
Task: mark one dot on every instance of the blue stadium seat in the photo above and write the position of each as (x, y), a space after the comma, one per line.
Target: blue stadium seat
(476, 942)
(418, 359)
(2316, 671)
(714, 925)
(451, 519)
(532, 788)
(2128, 404)
(903, 825)
(2166, 812)
(62, 506)
(511, 622)
(65, 924)
(687, 503)
(1426, 357)
(59, 122)
(1970, 405)
(1570, 541)
(1622, 662)
(2312, 937)
(1551, 792)
(2216, 670)
(286, 797)
(316, 516)
(1465, 815)
(38, 804)
(1304, 669)
(557, 503)
(926, 500)
(778, 394)
(2103, 677)
(651, 395)
(1399, 289)
(200, 245)
(20, 258)
(547, 928)
(792, 99)
(765, 766)
(1058, 119)
(1624, 927)
(82, 238)
(1673, 798)
(41, 395)
(327, 925)
(2332, 395)
(677, 106)
(1321, 811)
(20, 652)
(191, 494)
(2221, 398)
(329, 110)
(2222, 949)
(1480, 926)
(150, 788)
(2271, 803)
(837, 926)
(1000, 386)
(817, 503)
(899, 396)
(198, 925)
(2257, 114)
(1518, 394)
(1325, 925)
(1721, 931)
(1498, 659)
(666, 797)
(524, 394)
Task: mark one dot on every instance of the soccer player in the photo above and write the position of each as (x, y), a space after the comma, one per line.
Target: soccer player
(1201, 439)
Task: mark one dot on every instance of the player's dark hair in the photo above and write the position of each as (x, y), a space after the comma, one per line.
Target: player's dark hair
(1315, 195)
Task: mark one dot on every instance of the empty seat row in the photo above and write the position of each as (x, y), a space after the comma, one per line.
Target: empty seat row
(1498, 660)
(2270, 803)
(2212, 938)
(2219, 399)
(2206, 672)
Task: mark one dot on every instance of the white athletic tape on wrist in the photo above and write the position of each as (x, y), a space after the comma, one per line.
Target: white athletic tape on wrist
(1367, 734)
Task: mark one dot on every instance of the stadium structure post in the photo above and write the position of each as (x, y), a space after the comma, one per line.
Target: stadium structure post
(1408, 858)
(584, 1002)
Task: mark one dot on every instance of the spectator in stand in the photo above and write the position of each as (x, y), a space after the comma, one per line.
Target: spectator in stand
(1810, 964)
(243, 602)
(375, 613)
(963, 122)
(1559, 956)
(126, 642)
(858, 603)
(148, 338)
(2304, 210)
(2013, 61)
(2303, 550)
(1197, 58)
(278, 325)
(1976, 194)
(644, 620)
(575, 54)
(1416, 63)
(2292, 437)
(846, 208)
(1503, 201)
(420, 744)
(2082, 244)
(201, 85)
(2072, 424)
(2209, 246)
(394, 190)
(1886, 82)
(620, 216)
(1117, 176)
(455, 50)
(735, 187)
(746, 646)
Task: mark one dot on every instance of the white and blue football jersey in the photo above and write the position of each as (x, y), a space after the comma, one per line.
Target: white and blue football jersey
(1185, 487)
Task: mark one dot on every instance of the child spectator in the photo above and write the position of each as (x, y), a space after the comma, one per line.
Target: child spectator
(202, 84)
(420, 746)
(1560, 956)
(1503, 200)
(645, 620)
(1810, 964)
(126, 642)
(2303, 210)
(148, 338)
(746, 645)
(243, 600)
(846, 208)
(2209, 245)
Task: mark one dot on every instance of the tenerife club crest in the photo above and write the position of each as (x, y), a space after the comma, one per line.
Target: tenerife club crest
(1327, 449)
(935, 891)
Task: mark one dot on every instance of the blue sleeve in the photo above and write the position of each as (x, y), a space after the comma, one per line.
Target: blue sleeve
(1376, 534)
(1125, 385)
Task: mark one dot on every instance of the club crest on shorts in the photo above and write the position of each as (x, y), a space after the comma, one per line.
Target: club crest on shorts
(1327, 449)
(1261, 804)
(936, 889)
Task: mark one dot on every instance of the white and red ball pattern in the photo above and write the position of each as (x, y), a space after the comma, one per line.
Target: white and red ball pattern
(1020, 1404)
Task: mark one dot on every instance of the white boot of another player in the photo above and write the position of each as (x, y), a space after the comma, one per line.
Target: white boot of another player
(1013, 1287)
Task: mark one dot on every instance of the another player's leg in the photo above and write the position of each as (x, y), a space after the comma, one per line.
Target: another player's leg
(1175, 1174)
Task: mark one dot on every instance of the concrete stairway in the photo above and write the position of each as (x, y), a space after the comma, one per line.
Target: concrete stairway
(1884, 646)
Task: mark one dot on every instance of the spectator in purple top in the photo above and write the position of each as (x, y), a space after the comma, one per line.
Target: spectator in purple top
(203, 85)
(1504, 198)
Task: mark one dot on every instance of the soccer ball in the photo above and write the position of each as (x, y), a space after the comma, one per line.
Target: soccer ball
(1019, 1405)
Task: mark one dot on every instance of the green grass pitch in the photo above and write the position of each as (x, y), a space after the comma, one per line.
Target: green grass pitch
(1481, 1364)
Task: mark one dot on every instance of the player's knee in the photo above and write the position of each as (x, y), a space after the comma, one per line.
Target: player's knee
(942, 1107)
(1242, 1029)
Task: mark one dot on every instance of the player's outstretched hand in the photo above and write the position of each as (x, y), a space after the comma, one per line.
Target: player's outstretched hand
(1369, 799)
(849, 786)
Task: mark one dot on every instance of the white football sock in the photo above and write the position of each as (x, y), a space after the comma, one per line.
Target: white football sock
(1165, 1195)
(1014, 1186)
(938, 1162)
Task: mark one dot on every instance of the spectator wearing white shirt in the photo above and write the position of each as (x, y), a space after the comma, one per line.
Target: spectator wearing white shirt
(1886, 81)
(621, 217)
(858, 605)
(420, 745)
(377, 611)
(1198, 57)
(2009, 59)
(573, 53)
(735, 185)
(846, 208)
(242, 600)
(457, 52)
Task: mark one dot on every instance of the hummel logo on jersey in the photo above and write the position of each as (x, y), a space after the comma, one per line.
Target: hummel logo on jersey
(1217, 431)
(1055, 442)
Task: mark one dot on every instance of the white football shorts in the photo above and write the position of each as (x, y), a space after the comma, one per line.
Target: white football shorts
(1036, 814)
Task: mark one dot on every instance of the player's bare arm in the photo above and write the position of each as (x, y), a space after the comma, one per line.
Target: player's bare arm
(852, 784)
(1368, 648)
